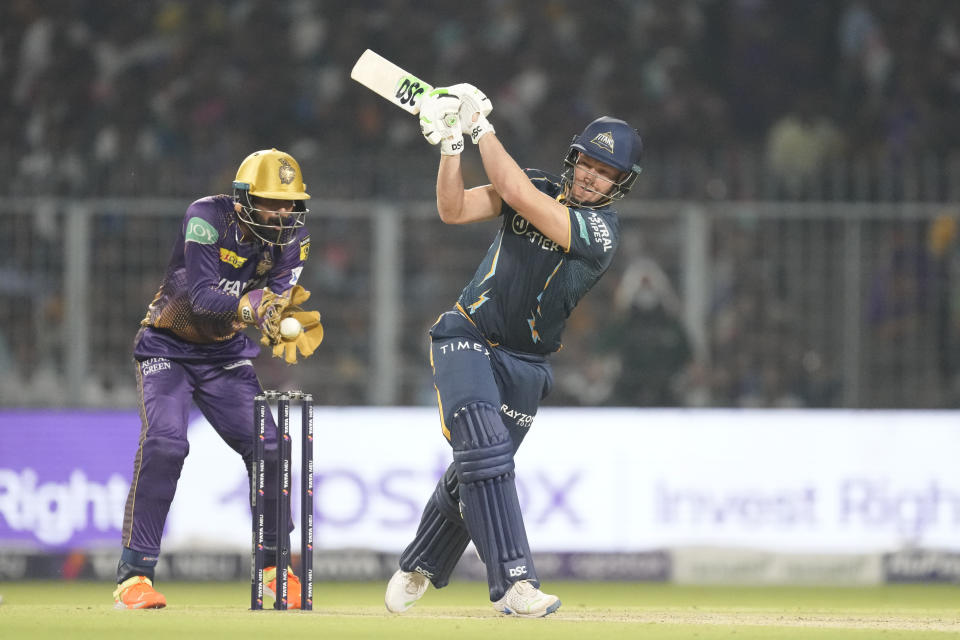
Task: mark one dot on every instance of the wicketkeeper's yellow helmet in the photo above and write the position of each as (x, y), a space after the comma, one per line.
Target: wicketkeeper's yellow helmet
(274, 174)
(271, 174)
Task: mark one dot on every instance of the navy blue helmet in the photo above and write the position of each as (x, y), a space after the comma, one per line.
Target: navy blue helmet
(612, 142)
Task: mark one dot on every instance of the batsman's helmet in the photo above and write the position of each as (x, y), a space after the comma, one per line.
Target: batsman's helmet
(271, 174)
(612, 142)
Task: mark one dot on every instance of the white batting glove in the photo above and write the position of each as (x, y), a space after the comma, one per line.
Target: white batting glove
(440, 121)
(475, 106)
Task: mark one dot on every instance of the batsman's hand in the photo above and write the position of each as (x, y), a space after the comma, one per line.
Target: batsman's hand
(440, 121)
(475, 106)
(262, 308)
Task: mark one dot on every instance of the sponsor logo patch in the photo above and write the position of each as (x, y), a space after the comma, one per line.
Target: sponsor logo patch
(201, 231)
(304, 249)
(154, 365)
(423, 572)
(519, 570)
(463, 345)
(409, 90)
(231, 258)
(520, 226)
(233, 287)
(601, 234)
(522, 419)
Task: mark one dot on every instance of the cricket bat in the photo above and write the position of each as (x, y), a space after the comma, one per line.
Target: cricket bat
(390, 81)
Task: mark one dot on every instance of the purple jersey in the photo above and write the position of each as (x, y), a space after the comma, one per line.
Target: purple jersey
(193, 317)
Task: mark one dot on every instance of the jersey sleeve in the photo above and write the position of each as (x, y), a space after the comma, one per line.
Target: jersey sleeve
(286, 272)
(202, 238)
(594, 237)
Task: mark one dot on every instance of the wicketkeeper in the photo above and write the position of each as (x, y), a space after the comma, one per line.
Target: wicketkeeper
(556, 238)
(235, 264)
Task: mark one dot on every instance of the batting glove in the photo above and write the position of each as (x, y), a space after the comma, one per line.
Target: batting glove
(440, 121)
(475, 106)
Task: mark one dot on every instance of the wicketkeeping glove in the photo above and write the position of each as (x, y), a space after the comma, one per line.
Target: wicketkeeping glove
(262, 308)
(440, 121)
(306, 343)
(298, 295)
(475, 106)
(310, 336)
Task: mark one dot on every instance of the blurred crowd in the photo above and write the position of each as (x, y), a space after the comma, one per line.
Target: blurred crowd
(737, 100)
(164, 96)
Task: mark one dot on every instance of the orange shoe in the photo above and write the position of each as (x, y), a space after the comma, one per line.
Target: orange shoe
(138, 593)
(293, 586)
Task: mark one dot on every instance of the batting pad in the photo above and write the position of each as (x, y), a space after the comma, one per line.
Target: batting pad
(483, 456)
(441, 537)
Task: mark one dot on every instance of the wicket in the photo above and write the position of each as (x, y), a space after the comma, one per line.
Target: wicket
(258, 484)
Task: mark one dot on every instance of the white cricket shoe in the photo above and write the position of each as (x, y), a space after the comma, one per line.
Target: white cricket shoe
(404, 589)
(525, 600)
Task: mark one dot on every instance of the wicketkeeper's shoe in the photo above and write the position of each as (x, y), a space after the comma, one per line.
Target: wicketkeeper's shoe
(293, 586)
(404, 588)
(138, 593)
(525, 600)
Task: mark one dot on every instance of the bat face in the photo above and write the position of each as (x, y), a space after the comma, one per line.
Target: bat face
(390, 81)
(409, 92)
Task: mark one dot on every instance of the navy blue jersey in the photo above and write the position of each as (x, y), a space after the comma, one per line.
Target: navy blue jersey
(527, 285)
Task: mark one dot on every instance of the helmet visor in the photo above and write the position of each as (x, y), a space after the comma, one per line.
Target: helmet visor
(588, 188)
(272, 225)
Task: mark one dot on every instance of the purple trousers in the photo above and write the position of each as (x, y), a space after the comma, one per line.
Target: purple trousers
(224, 394)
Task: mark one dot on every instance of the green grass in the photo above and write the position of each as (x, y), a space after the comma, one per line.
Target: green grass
(590, 610)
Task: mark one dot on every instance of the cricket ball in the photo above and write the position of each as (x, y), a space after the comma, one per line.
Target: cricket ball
(290, 328)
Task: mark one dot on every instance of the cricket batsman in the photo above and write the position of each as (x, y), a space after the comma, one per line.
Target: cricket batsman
(490, 353)
(235, 264)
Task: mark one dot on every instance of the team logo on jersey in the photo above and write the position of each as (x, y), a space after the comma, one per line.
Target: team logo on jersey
(473, 306)
(265, 264)
(201, 231)
(304, 250)
(287, 172)
(604, 140)
(231, 258)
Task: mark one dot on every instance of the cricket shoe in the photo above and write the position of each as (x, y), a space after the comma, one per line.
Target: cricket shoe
(293, 586)
(404, 588)
(526, 601)
(138, 593)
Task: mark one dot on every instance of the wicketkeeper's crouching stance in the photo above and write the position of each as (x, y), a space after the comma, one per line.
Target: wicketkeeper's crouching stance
(235, 264)
(557, 236)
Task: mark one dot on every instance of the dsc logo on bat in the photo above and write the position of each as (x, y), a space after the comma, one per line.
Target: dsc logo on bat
(409, 90)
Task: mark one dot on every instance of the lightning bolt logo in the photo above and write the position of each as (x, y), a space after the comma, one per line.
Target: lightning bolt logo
(474, 306)
(532, 321)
